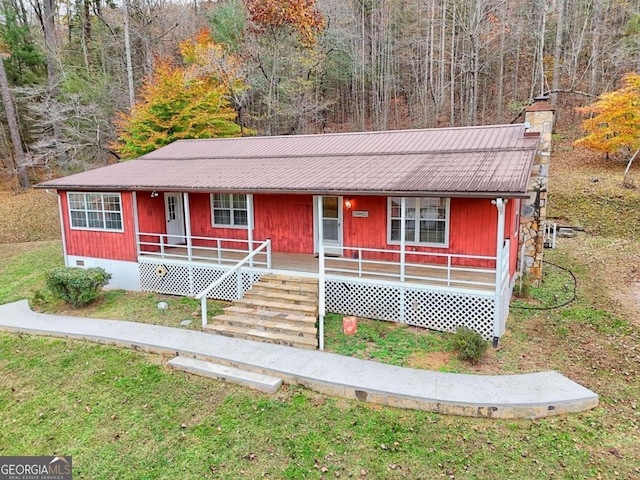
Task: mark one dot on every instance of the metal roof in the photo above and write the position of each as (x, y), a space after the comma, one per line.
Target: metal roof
(465, 161)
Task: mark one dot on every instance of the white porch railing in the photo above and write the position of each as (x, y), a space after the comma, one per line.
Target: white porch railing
(202, 296)
(423, 272)
(210, 249)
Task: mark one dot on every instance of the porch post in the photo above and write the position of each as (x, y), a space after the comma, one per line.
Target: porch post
(187, 224)
(250, 226)
(321, 289)
(187, 230)
(403, 234)
(136, 224)
(64, 237)
(500, 205)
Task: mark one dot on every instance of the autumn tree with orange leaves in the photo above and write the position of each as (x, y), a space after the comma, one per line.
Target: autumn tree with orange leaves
(299, 16)
(180, 102)
(282, 43)
(614, 123)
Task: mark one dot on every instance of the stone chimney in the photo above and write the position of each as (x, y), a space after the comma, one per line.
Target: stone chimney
(533, 213)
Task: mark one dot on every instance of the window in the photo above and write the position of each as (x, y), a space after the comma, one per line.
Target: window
(230, 210)
(426, 220)
(95, 211)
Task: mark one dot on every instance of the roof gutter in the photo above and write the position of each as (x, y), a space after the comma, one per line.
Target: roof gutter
(376, 193)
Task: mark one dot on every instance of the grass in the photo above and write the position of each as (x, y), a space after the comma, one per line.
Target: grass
(392, 343)
(24, 272)
(125, 415)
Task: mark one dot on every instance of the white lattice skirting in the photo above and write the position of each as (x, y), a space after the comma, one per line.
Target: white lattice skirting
(191, 279)
(444, 310)
(434, 308)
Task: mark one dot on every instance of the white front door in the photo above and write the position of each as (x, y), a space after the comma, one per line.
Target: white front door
(331, 224)
(174, 212)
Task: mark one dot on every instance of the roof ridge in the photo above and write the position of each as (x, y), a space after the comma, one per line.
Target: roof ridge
(368, 132)
(353, 154)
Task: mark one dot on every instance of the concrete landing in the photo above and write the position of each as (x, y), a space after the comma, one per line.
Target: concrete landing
(532, 395)
(256, 381)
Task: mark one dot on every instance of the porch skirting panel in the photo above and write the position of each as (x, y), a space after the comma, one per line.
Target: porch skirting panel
(434, 308)
(176, 278)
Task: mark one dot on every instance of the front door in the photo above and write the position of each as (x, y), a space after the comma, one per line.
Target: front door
(331, 224)
(174, 212)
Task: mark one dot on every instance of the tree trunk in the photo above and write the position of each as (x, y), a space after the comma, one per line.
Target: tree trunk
(557, 51)
(12, 122)
(127, 49)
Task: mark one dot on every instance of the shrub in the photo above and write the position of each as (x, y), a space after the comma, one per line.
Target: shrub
(469, 345)
(77, 286)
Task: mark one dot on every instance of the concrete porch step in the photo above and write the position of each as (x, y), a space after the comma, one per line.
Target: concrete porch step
(263, 294)
(281, 317)
(257, 381)
(263, 336)
(286, 279)
(289, 288)
(293, 329)
(275, 306)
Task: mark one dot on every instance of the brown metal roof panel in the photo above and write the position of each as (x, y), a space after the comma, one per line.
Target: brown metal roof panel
(401, 141)
(386, 173)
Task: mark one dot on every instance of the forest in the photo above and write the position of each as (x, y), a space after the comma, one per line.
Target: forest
(89, 82)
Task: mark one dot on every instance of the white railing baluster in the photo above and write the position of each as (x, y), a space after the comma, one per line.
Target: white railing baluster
(237, 268)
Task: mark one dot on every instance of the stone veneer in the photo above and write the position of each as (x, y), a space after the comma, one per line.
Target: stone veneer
(533, 212)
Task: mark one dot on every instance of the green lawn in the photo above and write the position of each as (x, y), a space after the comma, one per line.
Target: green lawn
(124, 414)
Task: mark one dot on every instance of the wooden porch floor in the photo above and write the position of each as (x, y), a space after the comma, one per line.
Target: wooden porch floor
(477, 279)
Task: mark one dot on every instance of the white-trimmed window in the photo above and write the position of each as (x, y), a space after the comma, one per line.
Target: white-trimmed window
(426, 221)
(230, 210)
(95, 211)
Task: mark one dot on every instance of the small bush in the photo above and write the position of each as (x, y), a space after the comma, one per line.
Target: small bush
(77, 286)
(469, 345)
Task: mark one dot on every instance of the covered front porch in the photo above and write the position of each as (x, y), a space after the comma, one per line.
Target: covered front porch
(436, 291)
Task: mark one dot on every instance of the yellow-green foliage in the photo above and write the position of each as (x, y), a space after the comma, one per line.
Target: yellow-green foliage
(183, 102)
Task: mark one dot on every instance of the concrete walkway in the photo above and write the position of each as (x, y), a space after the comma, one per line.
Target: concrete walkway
(532, 395)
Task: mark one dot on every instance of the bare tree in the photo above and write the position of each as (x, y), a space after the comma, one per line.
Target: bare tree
(19, 157)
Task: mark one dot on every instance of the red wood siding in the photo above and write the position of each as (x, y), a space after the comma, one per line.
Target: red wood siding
(472, 231)
(101, 244)
(151, 219)
(287, 220)
(202, 224)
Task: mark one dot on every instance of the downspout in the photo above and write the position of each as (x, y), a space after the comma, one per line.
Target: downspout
(500, 205)
(321, 289)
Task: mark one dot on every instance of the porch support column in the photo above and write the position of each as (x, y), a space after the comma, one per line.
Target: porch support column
(187, 231)
(321, 289)
(500, 205)
(250, 226)
(136, 222)
(187, 224)
(64, 237)
(403, 235)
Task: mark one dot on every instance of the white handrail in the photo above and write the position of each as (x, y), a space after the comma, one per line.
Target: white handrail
(202, 296)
